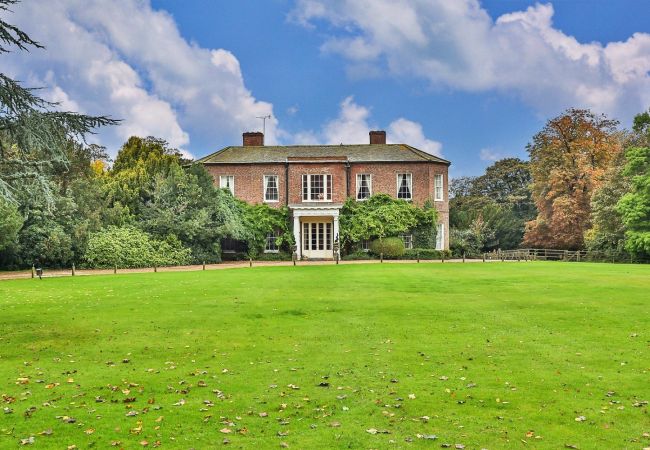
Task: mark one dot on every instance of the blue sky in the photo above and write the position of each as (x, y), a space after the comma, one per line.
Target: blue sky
(472, 81)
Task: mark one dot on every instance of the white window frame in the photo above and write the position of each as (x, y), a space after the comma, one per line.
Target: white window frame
(276, 235)
(365, 245)
(327, 183)
(359, 175)
(409, 179)
(438, 186)
(265, 183)
(409, 238)
(224, 184)
(440, 236)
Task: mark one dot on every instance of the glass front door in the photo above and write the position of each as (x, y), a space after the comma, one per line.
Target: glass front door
(317, 239)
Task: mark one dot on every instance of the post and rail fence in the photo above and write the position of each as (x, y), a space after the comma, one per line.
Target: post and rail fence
(545, 254)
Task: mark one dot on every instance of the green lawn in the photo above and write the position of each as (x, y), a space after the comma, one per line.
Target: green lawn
(499, 355)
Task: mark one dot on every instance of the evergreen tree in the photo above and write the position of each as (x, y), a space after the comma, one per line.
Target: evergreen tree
(33, 134)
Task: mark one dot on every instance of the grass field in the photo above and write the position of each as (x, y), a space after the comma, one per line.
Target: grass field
(499, 355)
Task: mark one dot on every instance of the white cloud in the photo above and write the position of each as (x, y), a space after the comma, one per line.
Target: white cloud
(352, 125)
(130, 61)
(488, 154)
(404, 131)
(458, 45)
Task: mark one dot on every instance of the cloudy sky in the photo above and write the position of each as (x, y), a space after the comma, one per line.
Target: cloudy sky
(466, 79)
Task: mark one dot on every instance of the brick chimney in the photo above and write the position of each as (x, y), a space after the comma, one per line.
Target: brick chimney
(253, 139)
(377, 137)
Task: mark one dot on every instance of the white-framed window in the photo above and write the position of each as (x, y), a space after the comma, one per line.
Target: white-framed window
(408, 241)
(405, 186)
(271, 191)
(317, 188)
(437, 188)
(440, 237)
(227, 182)
(365, 245)
(364, 186)
(271, 242)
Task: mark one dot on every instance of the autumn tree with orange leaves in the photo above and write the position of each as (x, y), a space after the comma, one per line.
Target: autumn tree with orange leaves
(567, 161)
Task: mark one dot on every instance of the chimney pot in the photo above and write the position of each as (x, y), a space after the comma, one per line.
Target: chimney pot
(377, 137)
(251, 139)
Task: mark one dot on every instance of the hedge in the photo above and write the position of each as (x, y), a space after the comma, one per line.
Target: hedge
(391, 247)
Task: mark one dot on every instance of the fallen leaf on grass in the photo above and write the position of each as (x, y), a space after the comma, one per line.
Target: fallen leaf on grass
(27, 441)
(225, 430)
(580, 419)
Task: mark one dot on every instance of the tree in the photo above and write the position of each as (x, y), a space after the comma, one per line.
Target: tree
(185, 204)
(131, 181)
(567, 161)
(10, 223)
(606, 237)
(500, 199)
(507, 182)
(33, 134)
(635, 205)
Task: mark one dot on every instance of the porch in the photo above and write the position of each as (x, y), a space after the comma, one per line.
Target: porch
(316, 230)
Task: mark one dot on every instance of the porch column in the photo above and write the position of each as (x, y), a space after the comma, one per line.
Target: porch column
(336, 231)
(296, 235)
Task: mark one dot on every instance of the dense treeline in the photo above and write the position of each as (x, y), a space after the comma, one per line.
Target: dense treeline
(150, 208)
(586, 186)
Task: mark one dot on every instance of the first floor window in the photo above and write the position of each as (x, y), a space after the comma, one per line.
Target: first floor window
(227, 182)
(404, 186)
(364, 186)
(437, 186)
(271, 242)
(408, 241)
(440, 237)
(317, 188)
(271, 192)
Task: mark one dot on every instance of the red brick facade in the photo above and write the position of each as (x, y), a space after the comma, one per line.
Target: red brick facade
(249, 181)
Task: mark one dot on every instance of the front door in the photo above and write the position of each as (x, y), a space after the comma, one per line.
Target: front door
(317, 239)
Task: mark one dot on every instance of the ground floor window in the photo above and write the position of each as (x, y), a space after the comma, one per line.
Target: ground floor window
(408, 241)
(440, 237)
(227, 182)
(365, 245)
(271, 242)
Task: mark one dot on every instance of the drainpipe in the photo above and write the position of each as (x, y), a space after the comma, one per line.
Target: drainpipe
(347, 179)
(286, 183)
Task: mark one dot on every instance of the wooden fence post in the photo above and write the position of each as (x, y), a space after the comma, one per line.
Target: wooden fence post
(115, 269)
(33, 271)
(250, 262)
(463, 256)
(155, 268)
(73, 269)
(381, 257)
(417, 254)
(203, 265)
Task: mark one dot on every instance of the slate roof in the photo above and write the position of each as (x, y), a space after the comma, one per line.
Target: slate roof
(353, 153)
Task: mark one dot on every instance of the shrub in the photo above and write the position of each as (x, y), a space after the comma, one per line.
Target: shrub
(130, 247)
(359, 255)
(280, 256)
(391, 247)
(425, 253)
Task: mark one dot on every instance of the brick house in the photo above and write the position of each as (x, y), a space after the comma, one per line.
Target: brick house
(314, 181)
